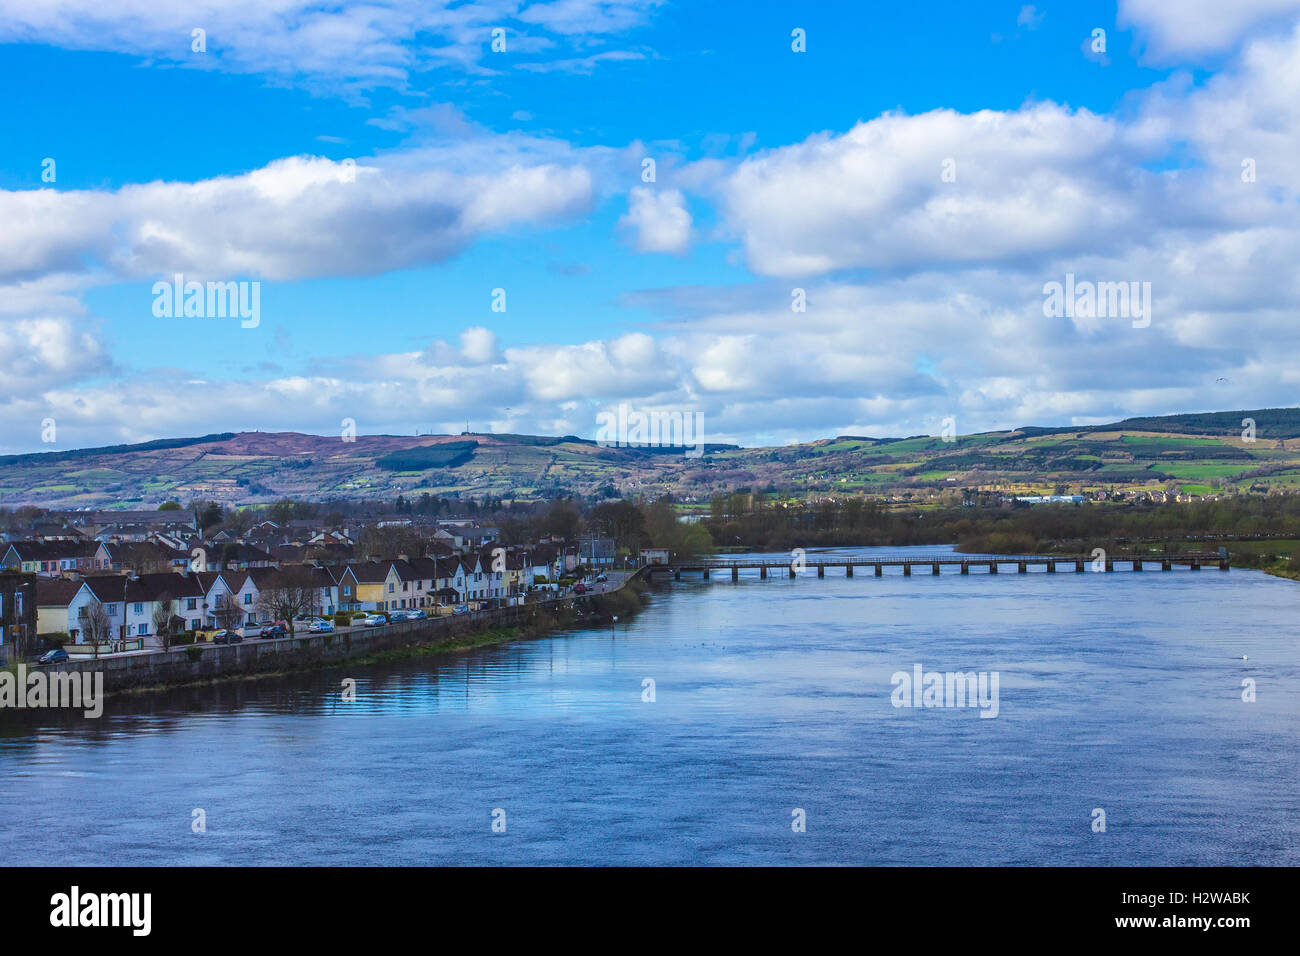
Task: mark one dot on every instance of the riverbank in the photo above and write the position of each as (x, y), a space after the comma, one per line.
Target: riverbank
(204, 664)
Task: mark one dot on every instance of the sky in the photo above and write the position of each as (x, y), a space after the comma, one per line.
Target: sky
(512, 216)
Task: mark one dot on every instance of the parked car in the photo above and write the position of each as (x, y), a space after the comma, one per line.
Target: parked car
(273, 631)
(416, 615)
(460, 609)
(320, 626)
(56, 656)
(580, 588)
(227, 637)
(373, 620)
(602, 577)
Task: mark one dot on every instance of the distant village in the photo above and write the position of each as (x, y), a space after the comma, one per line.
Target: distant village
(134, 581)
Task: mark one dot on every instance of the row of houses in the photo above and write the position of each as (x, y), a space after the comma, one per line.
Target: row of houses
(113, 607)
(68, 558)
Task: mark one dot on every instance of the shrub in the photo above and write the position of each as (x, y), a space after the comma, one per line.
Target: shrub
(193, 653)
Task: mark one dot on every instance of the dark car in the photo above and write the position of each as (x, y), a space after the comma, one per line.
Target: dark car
(227, 637)
(56, 656)
(273, 631)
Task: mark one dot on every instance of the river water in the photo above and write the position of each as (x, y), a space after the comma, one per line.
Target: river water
(1117, 692)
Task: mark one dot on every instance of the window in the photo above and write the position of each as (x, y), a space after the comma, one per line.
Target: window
(390, 587)
(192, 604)
(110, 608)
(248, 598)
(143, 630)
(347, 590)
(194, 624)
(138, 608)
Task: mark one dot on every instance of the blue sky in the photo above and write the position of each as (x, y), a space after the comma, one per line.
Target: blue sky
(521, 170)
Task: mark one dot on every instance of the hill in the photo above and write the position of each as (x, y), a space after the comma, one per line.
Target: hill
(1193, 453)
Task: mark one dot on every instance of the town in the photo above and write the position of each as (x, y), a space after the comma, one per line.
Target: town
(116, 582)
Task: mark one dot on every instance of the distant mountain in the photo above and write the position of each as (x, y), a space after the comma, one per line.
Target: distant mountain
(1195, 453)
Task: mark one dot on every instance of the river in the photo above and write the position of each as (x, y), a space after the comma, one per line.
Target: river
(1118, 692)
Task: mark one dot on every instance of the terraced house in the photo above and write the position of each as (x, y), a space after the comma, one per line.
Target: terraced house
(50, 558)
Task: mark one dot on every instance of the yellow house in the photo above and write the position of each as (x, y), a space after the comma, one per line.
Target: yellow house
(376, 586)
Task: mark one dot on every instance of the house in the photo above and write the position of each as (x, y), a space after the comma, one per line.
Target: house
(654, 555)
(51, 558)
(370, 586)
(597, 552)
(148, 596)
(53, 595)
(141, 557)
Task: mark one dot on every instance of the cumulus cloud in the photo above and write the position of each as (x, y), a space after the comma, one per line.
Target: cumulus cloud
(1192, 29)
(660, 219)
(294, 218)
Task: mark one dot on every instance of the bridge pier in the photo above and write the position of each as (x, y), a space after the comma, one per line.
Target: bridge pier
(677, 574)
(1137, 564)
(1196, 565)
(934, 568)
(848, 570)
(821, 570)
(1223, 565)
(762, 570)
(706, 574)
(1110, 565)
(993, 567)
(1166, 565)
(907, 570)
(1022, 567)
(1078, 567)
(735, 574)
(879, 570)
(1051, 567)
(965, 567)
(792, 570)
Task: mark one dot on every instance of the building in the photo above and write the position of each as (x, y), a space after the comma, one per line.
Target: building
(654, 555)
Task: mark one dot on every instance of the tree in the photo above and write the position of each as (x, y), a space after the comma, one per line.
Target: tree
(228, 613)
(621, 520)
(162, 620)
(562, 519)
(170, 506)
(96, 625)
(289, 592)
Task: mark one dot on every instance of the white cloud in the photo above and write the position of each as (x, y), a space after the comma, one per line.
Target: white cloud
(660, 219)
(1191, 29)
(361, 44)
(295, 218)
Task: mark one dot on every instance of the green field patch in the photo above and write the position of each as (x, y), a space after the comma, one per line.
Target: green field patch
(1200, 472)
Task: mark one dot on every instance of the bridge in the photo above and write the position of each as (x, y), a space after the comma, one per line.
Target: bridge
(1194, 560)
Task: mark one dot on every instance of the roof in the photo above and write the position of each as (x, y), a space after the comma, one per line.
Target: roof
(55, 592)
(53, 550)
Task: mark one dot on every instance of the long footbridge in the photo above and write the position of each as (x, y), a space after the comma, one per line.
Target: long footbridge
(991, 564)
